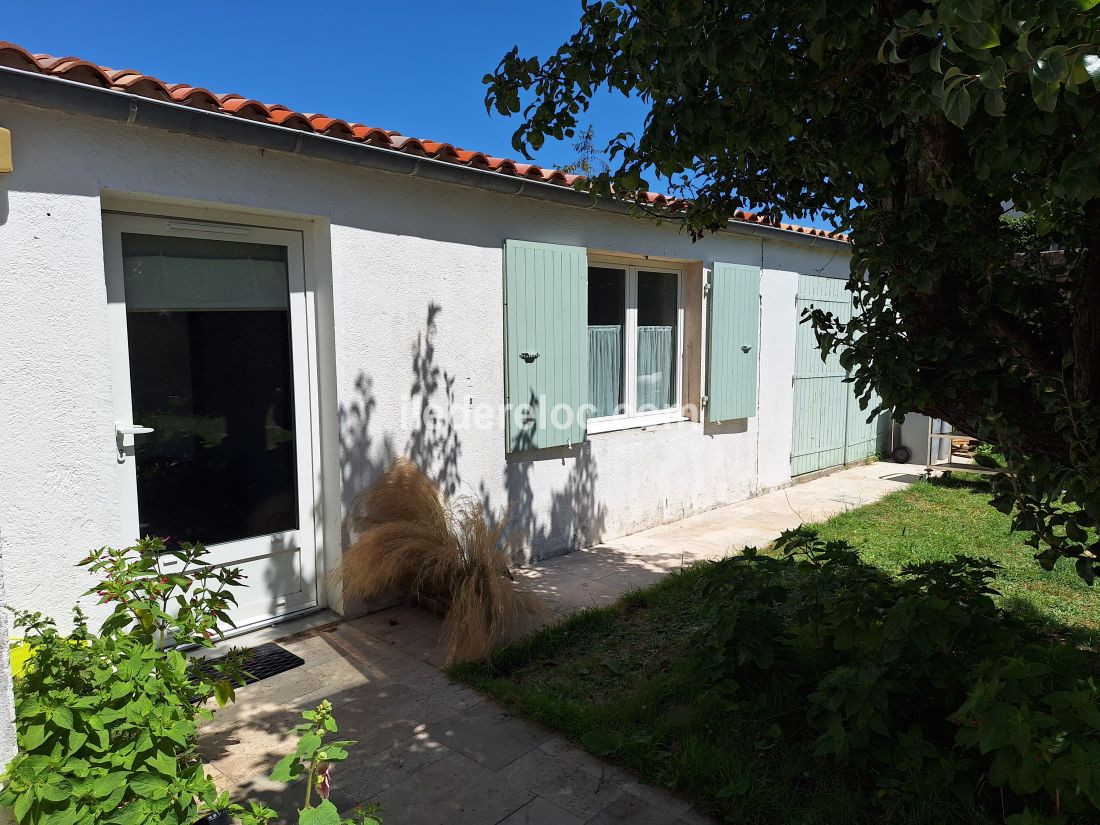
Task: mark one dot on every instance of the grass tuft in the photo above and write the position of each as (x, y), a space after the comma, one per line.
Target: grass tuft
(411, 540)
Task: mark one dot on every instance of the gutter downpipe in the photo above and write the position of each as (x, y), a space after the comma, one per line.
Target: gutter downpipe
(45, 91)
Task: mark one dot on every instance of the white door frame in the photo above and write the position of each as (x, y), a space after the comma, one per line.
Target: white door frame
(302, 344)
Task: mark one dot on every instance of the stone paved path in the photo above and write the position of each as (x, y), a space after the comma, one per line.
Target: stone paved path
(431, 751)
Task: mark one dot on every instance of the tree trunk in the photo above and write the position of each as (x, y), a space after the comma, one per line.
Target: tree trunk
(1086, 314)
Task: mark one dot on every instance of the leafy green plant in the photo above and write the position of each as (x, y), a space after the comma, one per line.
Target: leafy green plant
(988, 456)
(919, 680)
(169, 595)
(188, 605)
(107, 722)
(312, 759)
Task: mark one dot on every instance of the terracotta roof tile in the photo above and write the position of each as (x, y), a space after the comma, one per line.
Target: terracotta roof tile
(134, 82)
(243, 107)
(194, 97)
(15, 57)
(282, 116)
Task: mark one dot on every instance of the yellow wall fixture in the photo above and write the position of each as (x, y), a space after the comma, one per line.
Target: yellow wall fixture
(21, 651)
(5, 150)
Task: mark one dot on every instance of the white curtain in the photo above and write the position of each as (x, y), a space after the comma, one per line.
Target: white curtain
(605, 358)
(655, 368)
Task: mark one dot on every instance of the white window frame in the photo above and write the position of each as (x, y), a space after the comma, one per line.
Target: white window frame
(632, 418)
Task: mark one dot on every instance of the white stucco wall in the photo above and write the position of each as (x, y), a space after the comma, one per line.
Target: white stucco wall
(779, 315)
(384, 250)
(7, 704)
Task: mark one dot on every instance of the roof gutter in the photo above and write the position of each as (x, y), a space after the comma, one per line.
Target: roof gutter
(45, 91)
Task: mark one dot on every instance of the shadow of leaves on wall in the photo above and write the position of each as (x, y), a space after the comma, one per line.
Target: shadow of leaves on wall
(572, 518)
(363, 456)
(433, 445)
(577, 519)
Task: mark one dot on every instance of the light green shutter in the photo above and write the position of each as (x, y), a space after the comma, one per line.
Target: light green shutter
(829, 428)
(733, 336)
(546, 344)
(820, 395)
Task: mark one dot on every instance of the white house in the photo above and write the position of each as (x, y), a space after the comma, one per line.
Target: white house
(220, 319)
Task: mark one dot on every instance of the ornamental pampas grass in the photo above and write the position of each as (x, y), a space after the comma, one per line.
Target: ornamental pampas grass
(412, 540)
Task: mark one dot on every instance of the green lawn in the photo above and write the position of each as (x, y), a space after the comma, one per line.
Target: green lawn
(930, 521)
(618, 680)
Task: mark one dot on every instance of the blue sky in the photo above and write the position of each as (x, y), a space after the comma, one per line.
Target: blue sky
(414, 67)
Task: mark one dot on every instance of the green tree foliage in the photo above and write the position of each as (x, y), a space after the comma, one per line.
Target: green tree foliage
(917, 125)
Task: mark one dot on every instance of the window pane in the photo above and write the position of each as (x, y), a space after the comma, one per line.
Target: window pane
(606, 316)
(657, 340)
(210, 371)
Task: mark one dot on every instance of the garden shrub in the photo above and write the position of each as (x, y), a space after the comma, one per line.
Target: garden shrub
(920, 680)
(107, 722)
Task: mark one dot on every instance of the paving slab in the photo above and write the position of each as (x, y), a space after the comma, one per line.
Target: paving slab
(541, 811)
(565, 751)
(564, 783)
(434, 752)
(629, 809)
(454, 789)
(359, 780)
(565, 591)
(487, 734)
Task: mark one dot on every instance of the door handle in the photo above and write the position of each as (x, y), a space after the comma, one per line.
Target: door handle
(529, 357)
(124, 436)
(132, 429)
(745, 348)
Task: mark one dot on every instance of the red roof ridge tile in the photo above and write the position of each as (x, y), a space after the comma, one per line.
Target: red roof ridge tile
(134, 82)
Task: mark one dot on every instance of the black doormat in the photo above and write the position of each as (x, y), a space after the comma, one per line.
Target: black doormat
(259, 663)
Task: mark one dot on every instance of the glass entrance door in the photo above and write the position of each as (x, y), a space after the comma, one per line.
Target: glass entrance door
(212, 406)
